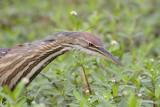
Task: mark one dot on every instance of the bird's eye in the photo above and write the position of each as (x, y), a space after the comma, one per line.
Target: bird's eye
(90, 44)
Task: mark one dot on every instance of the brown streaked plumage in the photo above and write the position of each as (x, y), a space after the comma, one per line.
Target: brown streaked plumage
(4, 51)
(28, 60)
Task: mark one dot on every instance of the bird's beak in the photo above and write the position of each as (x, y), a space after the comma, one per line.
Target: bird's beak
(105, 53)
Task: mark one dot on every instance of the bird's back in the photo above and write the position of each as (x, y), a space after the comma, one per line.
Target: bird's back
(4, 51)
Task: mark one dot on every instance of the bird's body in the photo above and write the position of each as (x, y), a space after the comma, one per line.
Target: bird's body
(28, 60)
(4, 51)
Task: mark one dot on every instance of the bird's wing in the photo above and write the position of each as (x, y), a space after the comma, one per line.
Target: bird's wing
(4, 51)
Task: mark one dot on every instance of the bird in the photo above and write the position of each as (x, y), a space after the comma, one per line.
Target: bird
(29, 59)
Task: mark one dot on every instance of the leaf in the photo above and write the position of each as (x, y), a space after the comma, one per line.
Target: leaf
(67, 86)
(133, 101)
(60, 99)
(115, 89)
(18, 90)
(157, 91)
(123, 103)
(124, 79)
(77, 95)
(137, 83)
(100, 96)
(148, 65)
(21, 102)
(8, 91)
(89, 28)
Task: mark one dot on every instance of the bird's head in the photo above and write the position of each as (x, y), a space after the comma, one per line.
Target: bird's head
(86, 43)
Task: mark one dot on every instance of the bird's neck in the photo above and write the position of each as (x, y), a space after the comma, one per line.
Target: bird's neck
(28, 61)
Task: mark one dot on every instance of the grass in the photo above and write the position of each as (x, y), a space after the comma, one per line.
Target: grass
(134, 24)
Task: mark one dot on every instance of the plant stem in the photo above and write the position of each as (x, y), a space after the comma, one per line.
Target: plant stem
(75, 24)
(153, 82)
(76, 80)
(84, 82)
(90, 91)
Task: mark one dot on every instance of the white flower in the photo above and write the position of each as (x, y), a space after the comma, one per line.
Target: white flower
(140, 78)
(113, 42)
(152, 60)
(139, 95)
(33, 102)
(151, 69)
(91, 96)
(74, 13)
(87, 91)
(113, 81)
(125, 92)
(89, 99)
(25, 80)
(105, 96)
(41, 105)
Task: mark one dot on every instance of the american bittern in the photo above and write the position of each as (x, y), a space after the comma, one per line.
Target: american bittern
(28, 60)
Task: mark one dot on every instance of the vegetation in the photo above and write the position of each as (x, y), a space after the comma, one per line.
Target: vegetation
(130, 30)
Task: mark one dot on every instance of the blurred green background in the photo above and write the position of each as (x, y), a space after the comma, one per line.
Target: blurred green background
(133, 24)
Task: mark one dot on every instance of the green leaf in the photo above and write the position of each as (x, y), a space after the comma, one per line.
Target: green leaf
(77, 95)
(18, 90)
(100, 96)
(157, 91)
(133, 101)
(8, 91)
(89, 28)
(148, 65)
(21, 102)
(124, 79)
(67, 86)
(137, 83)
(115, 89)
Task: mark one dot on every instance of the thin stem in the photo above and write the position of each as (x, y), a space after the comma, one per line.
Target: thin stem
(54, 85)
(84, 82)
(76, 80)
(75, 24)
(153, 82)
(90, 91)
